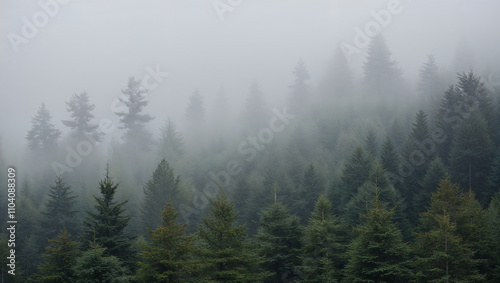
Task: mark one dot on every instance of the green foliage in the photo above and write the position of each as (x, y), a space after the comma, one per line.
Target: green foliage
(60, 258)
(279, 242)
(168, 258)
(59, 210)
(106, 225)
(224, 250)
(451, 235)
(378, 253)
(96, 265)
(163, 187)
(355, 173)
(435, 173)
(310, 189)
(322, 253)
(371, 144)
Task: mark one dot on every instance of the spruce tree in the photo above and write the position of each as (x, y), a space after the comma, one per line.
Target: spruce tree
(310, 189)
(471, 156)
(279, 242)
(169, 256)
(80, 112)
(171, 144)
(389, 159)
(59, 210)
(224, 250)
(60, 258)
(356, 171)
(429, 81)
(43, 135)
(429, 183)
(447, 240)
(162, 188)
(493, 214)
(131, 119)
(106, 224)
(378, 253)
(322, 255)
(371, 144)
(97, 265)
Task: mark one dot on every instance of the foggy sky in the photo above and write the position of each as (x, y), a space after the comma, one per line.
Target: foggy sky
(95, 46)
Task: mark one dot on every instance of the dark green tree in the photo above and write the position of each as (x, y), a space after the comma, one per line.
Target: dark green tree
(162, 188)
(169, 256)
(224, 249)
(106, 224)
(60, 258)
(449, 237)
(389, 159)
(279, 242)
(80, 111)
(322, 252)
(378, 253)
(310, 189)
(471, 156)
(493, 214)
(59, 211)
(43, 135)
(429, 183)
(355, 173)
(96, 265)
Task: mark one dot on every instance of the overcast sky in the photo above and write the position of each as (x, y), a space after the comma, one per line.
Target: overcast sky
(95, 46)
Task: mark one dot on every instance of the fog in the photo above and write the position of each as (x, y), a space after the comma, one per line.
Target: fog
(95, 47)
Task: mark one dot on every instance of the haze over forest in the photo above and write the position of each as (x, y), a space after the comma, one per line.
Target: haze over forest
(291, 107)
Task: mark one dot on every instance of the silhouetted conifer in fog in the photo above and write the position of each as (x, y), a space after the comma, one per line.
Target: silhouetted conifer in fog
(43, 135)
(80, 110)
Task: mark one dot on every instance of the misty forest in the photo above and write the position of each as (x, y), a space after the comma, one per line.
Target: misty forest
(374, 158)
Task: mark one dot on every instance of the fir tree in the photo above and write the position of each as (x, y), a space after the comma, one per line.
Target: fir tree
(381, 72)
(105, 226)
(389, 159)
(446, 245)
(80, 112)
(162, 188)
(171, 144)
(429, 183)
(224, 250)
(279, 242)
(43, 135)
(322, 252)
(471, 155)
(59, 210)
(96, 265)
(378, 253)
(168, 257)
(131, 119)
(356, 171)
(371, 145)
(60, 258)
(311, 188)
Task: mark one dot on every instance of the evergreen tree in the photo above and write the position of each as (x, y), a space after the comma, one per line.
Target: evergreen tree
(338, 81)
(298, 98)
(279, 242)
(389, 159)
(471, 155)
(171, 144)
(429, 84)
(195, 111)
(493, 214)
(162, 188)
(59, 210)
(80, 112)
(310, 189)
(371, 145)
(435, 173)
(322, 252)
(167, 258)
(60, 258)
(255, 113)
(131, 119)
(224, 250)
(105, 226)
(378, 253)
(96, 265)
(356, 171)
(449, 237)
(381, 72)
(43, 135)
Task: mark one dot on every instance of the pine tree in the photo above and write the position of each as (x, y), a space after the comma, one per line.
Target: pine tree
(310, 189)
(279, 242)
(60, 258)
(105, 226)
(168, 257)
(381, 72)
(96, 265)
(80, 112)
(471, 155)
(298, 98)
(131, 119)
(378, 253)
(322, 252)
(59, 210)
(356, 171)
(447, 243)
(429, 183)
(224, 251)
(43, 135)
(371, 145)
(171, 144)
(162, 188)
